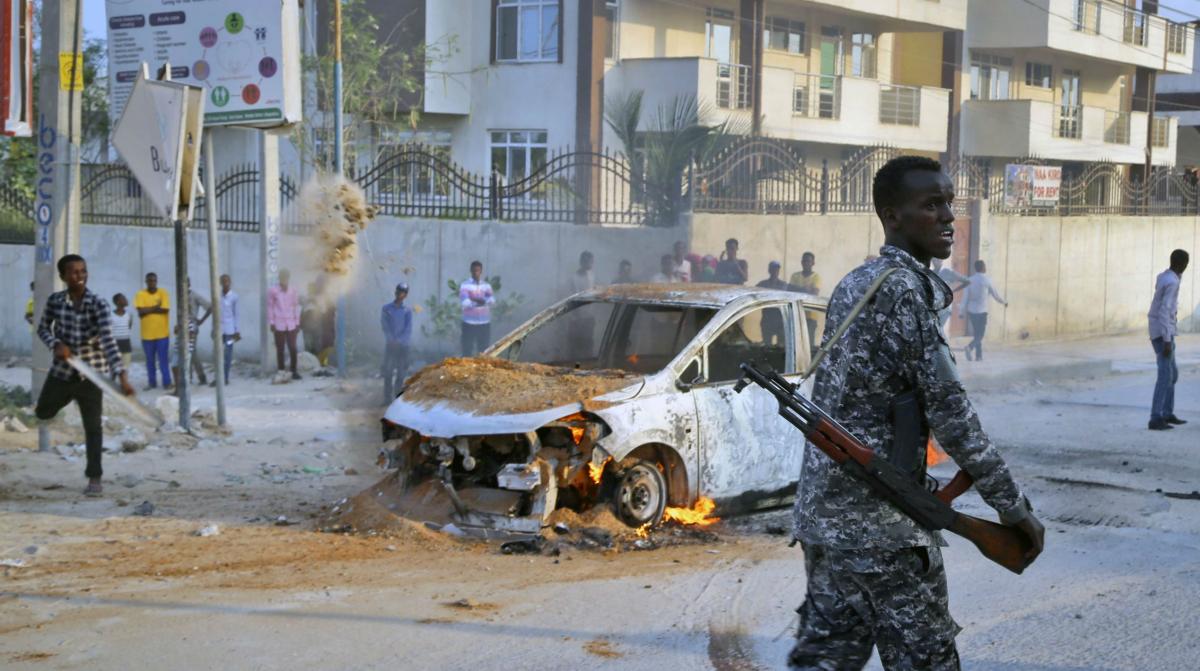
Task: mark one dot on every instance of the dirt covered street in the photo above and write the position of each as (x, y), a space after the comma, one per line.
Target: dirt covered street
(88, 583)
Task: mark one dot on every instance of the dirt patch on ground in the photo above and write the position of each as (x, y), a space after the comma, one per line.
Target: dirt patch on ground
(488, 385)
(602, 647)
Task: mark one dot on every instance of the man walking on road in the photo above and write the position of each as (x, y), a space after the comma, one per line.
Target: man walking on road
(979, 287)
(875, 576)
(154, 307)
(283, 316)
(1163, 314)
(396, 320)
(476, 298)
(76, 323)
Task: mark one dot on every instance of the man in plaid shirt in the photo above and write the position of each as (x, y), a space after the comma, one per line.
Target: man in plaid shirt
(76, 323)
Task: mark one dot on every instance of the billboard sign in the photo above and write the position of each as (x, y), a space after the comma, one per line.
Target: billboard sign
(1028, 186)
(244, 55)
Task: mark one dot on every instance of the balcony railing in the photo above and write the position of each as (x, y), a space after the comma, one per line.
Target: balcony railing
(1087, 16)
(1160, 131)
(817, 96)
(733, 86)
(1069, 121)
(900, 105)
(1135, 27)
(1116, 127)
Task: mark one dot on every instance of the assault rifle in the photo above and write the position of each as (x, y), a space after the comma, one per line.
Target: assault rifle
(1002, 544)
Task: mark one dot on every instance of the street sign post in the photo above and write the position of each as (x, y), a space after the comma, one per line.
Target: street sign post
(158, 135)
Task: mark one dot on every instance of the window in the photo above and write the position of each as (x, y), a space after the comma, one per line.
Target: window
(1039, 75)
(759, 337)
(527, 30)
(1087, 16)
(862, 55)
(784, 35)
(1177, 37)
(990, 77)
(718, 35)
(517, 153)
(612, 12)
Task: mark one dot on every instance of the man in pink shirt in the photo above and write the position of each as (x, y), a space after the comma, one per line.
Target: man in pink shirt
(283, 316)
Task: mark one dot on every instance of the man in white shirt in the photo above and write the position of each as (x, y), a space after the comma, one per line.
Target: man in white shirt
(583, 279)
(230, 331)
(681, 268)
(666, 271)
(979, 286)
(1162, 317)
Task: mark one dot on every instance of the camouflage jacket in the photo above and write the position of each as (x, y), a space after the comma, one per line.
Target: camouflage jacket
(894, 346)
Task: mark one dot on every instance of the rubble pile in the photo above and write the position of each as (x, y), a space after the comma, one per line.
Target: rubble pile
(489, 385)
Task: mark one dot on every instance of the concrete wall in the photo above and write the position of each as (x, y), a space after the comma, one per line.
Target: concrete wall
(533, 259)
(1063, 276)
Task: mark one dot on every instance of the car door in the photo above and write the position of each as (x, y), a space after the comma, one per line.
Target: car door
(748, 455)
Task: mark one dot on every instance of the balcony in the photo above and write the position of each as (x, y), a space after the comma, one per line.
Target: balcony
(900, 15)
(836, 109)
(722, 89)
(1017, 128)
(1101, 29)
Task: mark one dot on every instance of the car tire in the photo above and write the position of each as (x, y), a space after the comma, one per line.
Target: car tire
(641, 495)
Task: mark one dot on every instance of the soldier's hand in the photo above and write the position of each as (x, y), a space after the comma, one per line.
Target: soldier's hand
(1034, 531)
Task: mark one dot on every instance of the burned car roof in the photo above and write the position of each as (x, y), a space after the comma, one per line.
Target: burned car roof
(695, 294)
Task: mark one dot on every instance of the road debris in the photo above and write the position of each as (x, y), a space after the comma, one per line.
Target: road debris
(143, 509)
(208, 530)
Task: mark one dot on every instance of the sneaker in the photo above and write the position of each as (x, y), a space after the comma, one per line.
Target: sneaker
(1172, 419)
(296, 376)
(94, 488)
(151, 387)
(1159, 425)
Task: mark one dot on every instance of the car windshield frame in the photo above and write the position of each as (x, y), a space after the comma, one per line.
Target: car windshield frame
(620, 325)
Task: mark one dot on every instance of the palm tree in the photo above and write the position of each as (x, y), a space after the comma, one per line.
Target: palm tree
(673, 140)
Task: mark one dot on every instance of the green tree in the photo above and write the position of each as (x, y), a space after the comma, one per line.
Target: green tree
(674, 137)
(382, 85)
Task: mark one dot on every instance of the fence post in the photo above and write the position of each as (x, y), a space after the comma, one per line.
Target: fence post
(494, 195)
(824, 186)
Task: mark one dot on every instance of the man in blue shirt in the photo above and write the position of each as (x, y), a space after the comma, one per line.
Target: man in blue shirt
(396, 321)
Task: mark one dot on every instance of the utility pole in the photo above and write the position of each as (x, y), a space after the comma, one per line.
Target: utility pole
(56, 209)
(339, 155)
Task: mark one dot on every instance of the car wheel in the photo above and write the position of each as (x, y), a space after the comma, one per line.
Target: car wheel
(641, 495)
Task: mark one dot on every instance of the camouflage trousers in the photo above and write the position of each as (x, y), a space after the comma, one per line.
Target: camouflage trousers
(894, 599)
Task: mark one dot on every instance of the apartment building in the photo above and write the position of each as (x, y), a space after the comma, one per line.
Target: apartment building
(523, 77)
(1068, 81)
(1179, 97)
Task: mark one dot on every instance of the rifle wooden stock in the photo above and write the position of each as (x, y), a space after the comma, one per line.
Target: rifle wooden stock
(1002, 544)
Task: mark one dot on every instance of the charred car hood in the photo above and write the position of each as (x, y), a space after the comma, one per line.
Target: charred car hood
(485, 395)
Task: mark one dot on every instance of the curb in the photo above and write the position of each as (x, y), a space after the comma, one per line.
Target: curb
(1056, 372)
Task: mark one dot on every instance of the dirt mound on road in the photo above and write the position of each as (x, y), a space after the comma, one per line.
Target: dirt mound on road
(487, 385)
(368, 513)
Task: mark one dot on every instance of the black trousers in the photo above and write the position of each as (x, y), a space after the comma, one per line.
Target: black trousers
(395, 367)
(55, 396)
(288, 339)
(978, 330)
(475, 338)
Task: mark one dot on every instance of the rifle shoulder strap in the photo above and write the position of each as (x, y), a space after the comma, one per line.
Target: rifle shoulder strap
(841, 329)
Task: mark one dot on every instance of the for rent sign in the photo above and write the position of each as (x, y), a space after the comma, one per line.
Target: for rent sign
(1031, 185)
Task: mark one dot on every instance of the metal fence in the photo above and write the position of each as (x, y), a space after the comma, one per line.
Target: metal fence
(748, 175)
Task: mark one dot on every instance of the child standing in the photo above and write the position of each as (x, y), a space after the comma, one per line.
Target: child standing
(122, 328)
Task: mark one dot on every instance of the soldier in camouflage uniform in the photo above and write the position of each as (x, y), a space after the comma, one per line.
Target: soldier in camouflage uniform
(875, 577)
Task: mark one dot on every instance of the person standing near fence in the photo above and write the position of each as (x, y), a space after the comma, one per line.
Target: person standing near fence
(76, 323)
(283, 316)
(979, 287)
(154, 308)
(476, 297)
(230, 331)
(122, 329)
(396, 320)
(1163, 314)
(808, 281)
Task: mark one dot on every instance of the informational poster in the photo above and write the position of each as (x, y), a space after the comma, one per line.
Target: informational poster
(244, 54)
(1031, 185)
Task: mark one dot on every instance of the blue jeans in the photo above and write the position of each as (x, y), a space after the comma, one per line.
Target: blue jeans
(158, 351)
(1163, 404)
(228, 340)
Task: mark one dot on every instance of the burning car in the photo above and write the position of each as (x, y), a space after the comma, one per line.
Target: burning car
(621, 395)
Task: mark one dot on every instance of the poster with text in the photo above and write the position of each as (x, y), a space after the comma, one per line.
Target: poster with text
(245, 55)
(1031, 185)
